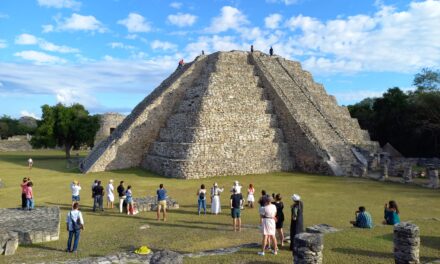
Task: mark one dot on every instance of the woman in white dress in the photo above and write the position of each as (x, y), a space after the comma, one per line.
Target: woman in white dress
(110, 195)
(251, 197)
(215, 199)
(268, 214)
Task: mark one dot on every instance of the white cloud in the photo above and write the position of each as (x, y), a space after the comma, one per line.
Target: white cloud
(230, 18)
(163, 45)
(27, 113)
(388, 40)
(60, 3)
(26, 39)
(273, 21)
(3, 44)
(182, 20)
(176, 5)
(39, 57)
(286, 2)
(120, 45)
(47, 28)
(135, 23)
(81, 23)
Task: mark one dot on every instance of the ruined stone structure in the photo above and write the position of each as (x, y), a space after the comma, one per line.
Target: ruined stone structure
(108, 123)
(406, 243)
(233, 113)
(308, 248)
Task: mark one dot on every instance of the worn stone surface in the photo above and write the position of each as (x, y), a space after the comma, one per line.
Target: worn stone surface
(39, 225)
(234, 113)
(407, 174)
(221, 251)
(308, 248)
(108, 122)
(406, 243)
(149, 203)
(433, 178)
(8, 242)
(321, 228)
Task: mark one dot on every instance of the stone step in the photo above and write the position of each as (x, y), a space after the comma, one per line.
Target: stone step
(195, 169)
(223, 149)
(208, 119)
(209, 135)
(220, 105)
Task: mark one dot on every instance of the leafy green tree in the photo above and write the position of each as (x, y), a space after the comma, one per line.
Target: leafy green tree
(65, 126)
(11, 127)
(427, 80)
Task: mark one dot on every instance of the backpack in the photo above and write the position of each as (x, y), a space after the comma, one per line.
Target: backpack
(201, 195)
(76, 224)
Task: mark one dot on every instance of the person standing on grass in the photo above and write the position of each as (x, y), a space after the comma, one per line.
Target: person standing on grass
(74, 223)
(201, 194)
(391, 213)
(129, 200)
(280, 217)
(236, 203)
(215, 199)
(297, 221)
(110, 195)
(75, 188)
(363, 219)
(251, 197)
(121, 193)
(29, 196)
(23, 186)
(268, 213)
(30, 163)
(98, 193)
(161, 202)
(261, 200)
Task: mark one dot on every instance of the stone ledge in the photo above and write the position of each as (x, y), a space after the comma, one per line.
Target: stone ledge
(149, 203)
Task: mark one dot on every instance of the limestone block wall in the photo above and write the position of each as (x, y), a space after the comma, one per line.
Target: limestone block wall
(124, 148)
(225, 127)
(107, 122)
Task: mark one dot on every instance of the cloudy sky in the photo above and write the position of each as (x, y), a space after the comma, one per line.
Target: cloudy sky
(109, 54)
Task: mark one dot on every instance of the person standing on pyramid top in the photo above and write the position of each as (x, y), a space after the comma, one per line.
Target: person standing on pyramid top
(252, 48)
(271, 51)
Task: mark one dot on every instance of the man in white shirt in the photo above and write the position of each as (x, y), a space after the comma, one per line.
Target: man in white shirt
(30, 163)
(75, 187)
(74, 223)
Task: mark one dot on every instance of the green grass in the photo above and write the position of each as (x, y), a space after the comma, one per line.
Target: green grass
(330, 200)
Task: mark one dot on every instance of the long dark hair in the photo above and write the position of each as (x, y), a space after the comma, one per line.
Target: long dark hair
(393, 205)
(202, 186)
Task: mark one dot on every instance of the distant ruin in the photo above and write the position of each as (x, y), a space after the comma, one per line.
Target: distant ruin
(108, 123)
(236, 113)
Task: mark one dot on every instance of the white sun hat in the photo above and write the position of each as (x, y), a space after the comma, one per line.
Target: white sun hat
(296, 197)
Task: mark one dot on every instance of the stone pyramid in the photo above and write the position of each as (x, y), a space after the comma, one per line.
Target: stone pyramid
(235, 113)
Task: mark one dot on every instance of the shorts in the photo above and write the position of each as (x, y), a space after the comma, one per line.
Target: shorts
(75, 198)
(235, 212)
(162, 204)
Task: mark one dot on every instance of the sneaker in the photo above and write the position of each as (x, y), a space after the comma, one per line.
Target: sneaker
(275, 252)
(261, 253)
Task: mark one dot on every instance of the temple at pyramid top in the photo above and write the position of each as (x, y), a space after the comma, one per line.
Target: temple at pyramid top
(235, 113)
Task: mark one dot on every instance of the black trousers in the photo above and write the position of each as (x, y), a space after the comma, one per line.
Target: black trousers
(23, 200)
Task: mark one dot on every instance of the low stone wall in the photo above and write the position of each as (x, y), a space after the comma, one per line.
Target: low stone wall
(39, 225)
(14, 145)
(8, 242)
(149, 203)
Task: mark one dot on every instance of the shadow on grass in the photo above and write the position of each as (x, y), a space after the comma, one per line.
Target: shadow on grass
(43, 247)
(430, 241)
(362, 252)
(69, 206)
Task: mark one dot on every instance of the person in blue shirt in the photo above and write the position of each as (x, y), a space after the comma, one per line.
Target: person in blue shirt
(391, 213)
(161, 202)
(363, 219)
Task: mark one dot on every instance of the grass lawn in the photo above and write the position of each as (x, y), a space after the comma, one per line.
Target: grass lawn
(330, 200)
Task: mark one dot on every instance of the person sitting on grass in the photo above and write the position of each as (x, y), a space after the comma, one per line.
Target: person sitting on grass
(363, 219)
(391, 213)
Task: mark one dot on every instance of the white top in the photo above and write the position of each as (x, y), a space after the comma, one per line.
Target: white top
(75, 189)
(110, 189)
(268, 211)
(237, 188)
(30, 160)
(202, 191)
(215, 191)
(74, 214)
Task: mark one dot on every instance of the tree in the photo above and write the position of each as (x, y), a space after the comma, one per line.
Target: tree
(11, 127)
(427, 80)
(65, 126)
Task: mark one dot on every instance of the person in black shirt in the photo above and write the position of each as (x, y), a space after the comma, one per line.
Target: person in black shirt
(280, 217)
(98, 193)
(236, 204)
(121, 192)
(271, 51)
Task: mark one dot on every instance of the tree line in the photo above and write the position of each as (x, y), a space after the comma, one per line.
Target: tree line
(409, 121)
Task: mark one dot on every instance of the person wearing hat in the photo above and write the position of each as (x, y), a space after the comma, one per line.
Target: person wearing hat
(297, 221)
(215, 199)
(110, 195)
(75, 188)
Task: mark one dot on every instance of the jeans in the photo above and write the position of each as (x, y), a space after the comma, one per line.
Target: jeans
(202, 204)
(30, 203)
(98, 202)
(73, 233)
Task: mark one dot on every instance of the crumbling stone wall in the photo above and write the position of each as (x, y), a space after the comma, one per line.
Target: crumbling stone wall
(108, 123)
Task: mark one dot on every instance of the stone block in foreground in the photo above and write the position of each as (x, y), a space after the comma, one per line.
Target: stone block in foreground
(406, 243)
(308, 248)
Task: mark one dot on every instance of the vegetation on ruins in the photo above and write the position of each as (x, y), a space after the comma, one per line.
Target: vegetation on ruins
(65, 126)
(410, 121)
(12, 127)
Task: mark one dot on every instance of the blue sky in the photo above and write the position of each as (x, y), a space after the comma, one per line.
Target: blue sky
(110, 54)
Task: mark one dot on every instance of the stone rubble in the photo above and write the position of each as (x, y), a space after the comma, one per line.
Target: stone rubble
(322, 229)
(149, 203)
(308, 248)
(8, 242)
(433, 178)
(406, 243)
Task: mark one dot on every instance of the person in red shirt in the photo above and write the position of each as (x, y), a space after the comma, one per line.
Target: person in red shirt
(29, 196)
(23, 192)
